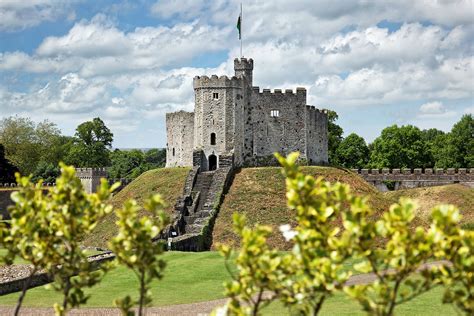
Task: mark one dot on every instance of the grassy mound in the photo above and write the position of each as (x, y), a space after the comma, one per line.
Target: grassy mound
(260, 194)
(169, 182)
(426, 198)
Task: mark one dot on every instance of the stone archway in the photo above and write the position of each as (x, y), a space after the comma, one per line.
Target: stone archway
(212, 162)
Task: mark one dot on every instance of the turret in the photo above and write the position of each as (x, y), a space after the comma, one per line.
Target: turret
(243, 68)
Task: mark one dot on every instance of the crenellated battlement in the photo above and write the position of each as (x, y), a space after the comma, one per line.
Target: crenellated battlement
(415, 171)
(301, 92)
(90, 177)
(411, 178)
(217, 82)
(89, 173)
(314, 109)
(243, 64)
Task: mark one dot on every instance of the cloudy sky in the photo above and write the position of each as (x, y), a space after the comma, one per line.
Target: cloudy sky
(376, 63)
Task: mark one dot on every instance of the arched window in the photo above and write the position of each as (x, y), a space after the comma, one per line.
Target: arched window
(213, 138)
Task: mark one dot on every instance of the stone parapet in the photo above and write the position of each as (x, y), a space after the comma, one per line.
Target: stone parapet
(217, 82)
(417, 177)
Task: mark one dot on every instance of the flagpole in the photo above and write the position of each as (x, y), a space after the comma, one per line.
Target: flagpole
(241, 20)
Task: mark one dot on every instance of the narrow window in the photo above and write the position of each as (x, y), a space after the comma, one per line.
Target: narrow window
(213, 138)
(215, 96)
(274, 113)
(173, 151)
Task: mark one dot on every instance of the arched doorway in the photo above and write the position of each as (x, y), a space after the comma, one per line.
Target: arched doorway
(212, 162)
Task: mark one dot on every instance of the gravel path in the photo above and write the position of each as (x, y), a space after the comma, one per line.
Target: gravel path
(192, 309)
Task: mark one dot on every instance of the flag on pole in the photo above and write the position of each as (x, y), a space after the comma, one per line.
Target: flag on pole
(239, 21)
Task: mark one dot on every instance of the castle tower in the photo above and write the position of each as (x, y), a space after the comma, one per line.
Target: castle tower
(243, 67)
(218, 119)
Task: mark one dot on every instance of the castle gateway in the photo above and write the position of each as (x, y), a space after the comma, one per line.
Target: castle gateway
(235, 124)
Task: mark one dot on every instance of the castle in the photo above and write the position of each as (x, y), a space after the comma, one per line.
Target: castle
(235, 124)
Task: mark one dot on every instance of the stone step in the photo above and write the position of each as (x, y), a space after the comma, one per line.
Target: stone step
(194, 228)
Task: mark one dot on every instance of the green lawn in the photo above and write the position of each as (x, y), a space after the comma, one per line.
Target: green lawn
(194, 277)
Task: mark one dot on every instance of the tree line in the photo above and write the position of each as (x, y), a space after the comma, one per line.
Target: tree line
(36, 149)
(404, 147)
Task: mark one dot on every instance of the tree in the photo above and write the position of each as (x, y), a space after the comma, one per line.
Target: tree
(27, 143)
(91, 145)
(45, 171)
(334, 136)
(7, 169)
(17, 134)
(461, 140)
(156, 157)
(134, 247)
(352, 152)
(400, 147)
(456, 148)
(45, 230)
(126, 163)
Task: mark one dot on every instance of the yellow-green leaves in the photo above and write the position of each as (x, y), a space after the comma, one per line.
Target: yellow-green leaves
(134, 247)
(46, 229)
(391, 248)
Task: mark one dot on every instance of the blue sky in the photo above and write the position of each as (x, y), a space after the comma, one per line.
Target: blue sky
(376, 63)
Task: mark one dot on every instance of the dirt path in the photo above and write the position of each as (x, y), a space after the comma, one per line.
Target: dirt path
(192, 309)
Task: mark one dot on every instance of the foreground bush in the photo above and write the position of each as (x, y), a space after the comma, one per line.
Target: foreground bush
(312, 271)
(45, 231)
(46, 228)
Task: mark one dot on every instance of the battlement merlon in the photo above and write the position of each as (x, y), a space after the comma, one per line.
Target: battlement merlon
(299, 95)
(243, 67)
(200, 82)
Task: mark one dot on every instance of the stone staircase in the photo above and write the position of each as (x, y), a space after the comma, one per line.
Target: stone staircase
(196, 210)
(198, 217)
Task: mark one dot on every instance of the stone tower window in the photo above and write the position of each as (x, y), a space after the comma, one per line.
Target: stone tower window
(213, 138)
(173, 151)
(274, 113)
(215, 96)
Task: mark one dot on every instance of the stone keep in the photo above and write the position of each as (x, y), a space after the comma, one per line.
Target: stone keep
(235, 123)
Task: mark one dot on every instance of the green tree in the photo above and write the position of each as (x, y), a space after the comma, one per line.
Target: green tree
(134, 247)
(7, 169)
(47, 172)
(334, 136)
(27, 143)
(126, 163)
(455, 149)
(400, 147)
(156, 157)
(17, 134)
(352, 152)
(45, 230)
(91, 146)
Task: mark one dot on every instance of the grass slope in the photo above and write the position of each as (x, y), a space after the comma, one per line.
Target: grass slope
(426, 198)
(169, 182)
(260, 194)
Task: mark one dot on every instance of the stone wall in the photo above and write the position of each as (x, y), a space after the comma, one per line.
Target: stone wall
(316, 136)
(5, 202)
(179, 139)
(90, 178)
(41, 278)
(218, 111)
(412, 178)
(285, 133)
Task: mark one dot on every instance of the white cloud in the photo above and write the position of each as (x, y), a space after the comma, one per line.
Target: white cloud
(435, 107)
(17, 14)
(335, 49)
